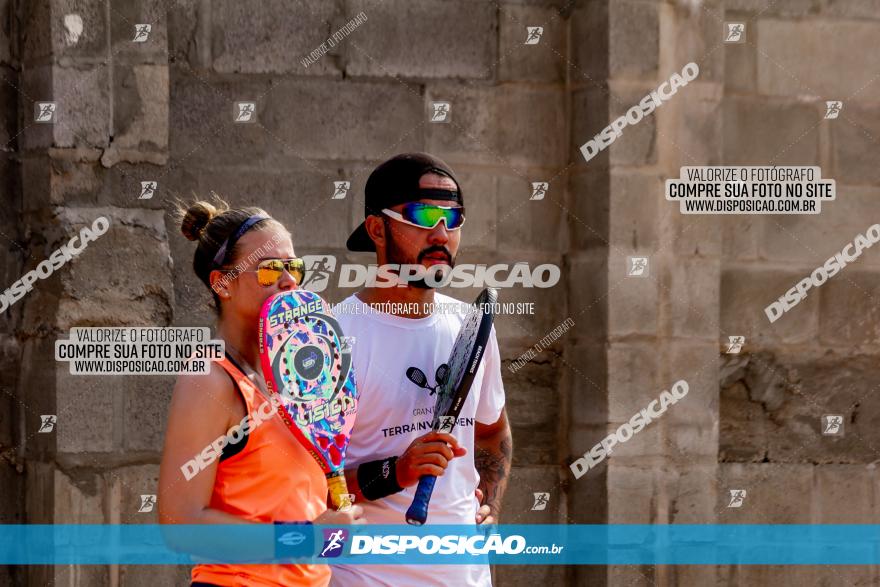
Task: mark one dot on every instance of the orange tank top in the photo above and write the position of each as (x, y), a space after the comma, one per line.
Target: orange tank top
(272, 479)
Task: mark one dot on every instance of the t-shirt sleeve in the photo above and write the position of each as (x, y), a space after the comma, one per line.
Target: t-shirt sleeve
(492, 391)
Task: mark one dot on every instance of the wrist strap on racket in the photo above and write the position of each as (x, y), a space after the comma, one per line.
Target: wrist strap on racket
(378, 479)
(294, 540)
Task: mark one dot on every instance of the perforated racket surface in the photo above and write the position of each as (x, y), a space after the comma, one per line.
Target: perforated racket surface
(463, 363)
(306, 362)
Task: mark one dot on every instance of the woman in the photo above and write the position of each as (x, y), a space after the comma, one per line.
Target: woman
(244, 256)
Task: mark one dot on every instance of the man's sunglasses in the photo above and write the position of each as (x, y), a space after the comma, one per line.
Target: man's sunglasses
(428, 215)
(269, 271)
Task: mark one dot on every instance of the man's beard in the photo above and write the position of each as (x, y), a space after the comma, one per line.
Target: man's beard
(396, 256)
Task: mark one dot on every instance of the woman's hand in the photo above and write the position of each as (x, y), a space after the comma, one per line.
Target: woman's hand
(352, 515)
(427, 455)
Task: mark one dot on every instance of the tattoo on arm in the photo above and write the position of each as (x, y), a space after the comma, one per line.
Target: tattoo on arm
(492, 460)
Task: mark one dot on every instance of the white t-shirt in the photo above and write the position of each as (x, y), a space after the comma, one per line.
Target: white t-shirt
(393, 411)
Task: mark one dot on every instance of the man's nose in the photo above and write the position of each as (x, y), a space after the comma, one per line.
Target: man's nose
(439, 234)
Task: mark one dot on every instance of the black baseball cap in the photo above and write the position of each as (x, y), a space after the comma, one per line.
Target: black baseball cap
(397, 182)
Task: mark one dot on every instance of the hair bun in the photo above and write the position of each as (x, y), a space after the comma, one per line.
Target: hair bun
(196, 219)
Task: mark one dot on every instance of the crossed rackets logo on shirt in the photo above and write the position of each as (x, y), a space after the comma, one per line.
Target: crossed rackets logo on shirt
(418, 377)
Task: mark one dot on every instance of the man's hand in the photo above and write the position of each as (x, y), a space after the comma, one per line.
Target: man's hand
(427, 455)
(484, 514)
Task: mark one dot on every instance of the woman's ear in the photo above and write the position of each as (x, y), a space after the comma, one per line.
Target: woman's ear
(219, 283)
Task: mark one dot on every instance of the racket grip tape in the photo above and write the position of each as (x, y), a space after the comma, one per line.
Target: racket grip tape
(417, 513)
(338, 489)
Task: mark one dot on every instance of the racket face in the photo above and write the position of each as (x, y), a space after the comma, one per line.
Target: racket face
(463, 360)
(307, 362)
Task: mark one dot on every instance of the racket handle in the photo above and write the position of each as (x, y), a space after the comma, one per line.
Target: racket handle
(418, 511)
(338, 489)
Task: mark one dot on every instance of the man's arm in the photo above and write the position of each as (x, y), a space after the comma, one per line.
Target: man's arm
(492, 458)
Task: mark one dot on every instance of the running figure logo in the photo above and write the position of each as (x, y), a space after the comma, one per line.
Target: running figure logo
(637, 266)
(47, 423)
(539, 190)
(44, 112)
(245, 111)
(735, 345)
(541, 501)
(533, 34)
(440, 112)
(148, 188)
(832, 109)
(736, 32)
(148, 502)
(319, 268)
(142, 32)
(341, 189)
(737, 497)
(334, 543)
(832, 425)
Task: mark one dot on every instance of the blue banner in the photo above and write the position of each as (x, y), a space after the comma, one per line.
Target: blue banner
(521, 544)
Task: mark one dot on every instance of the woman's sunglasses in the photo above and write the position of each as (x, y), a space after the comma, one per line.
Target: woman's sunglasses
(428, 215)
(269, 271)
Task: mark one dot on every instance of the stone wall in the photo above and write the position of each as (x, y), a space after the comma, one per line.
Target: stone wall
(163, 111)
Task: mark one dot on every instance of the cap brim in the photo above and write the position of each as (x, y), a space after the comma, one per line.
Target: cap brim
(360, 240)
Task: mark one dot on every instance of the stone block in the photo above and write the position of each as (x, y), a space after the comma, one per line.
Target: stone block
(125, 15)
(845, 494)
(628, 33)
(590, 205)
(691, 494)
(632, 495)
(693, 294)
(287, 33)
(529, 225)
(523, 484)
(145, 409)
(745, 293)
(849, 315)
(854, 144)
(477, 134)
(88, 411)
(533, 406)
(483, 201)
(633, 306)
(782, 8)
(775, 493)
(587, 382)
(79, 497)
(633, 378)
(64, 31)
(854, 9)
(740, 235)
(544, 61)
(431, 39)
(635, 201)
(127, 485)
(140, 115)
(743, 426)
(796, 59)
(696, 32)
(185, 36)
(769, 133)
(588, 288)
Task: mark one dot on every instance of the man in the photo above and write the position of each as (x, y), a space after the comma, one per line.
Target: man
(413, 215)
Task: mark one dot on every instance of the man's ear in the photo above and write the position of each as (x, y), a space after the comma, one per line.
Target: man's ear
(376, 230)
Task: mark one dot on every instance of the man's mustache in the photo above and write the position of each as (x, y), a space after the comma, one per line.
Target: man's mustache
(435, 249)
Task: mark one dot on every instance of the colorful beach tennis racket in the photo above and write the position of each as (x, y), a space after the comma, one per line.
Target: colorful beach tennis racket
(464, 360)
(306, 362)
